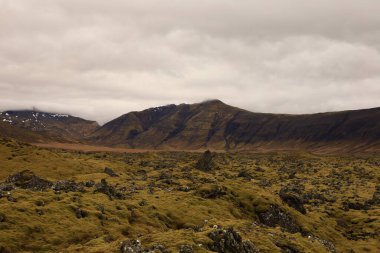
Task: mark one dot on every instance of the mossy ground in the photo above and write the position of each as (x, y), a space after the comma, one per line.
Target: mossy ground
(165, 201)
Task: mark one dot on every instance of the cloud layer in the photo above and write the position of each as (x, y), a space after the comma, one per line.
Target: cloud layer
(100, 59)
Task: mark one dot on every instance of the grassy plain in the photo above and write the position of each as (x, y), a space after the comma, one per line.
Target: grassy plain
(168, 201)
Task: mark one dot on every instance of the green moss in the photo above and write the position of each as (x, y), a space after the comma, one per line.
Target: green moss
(172, 216)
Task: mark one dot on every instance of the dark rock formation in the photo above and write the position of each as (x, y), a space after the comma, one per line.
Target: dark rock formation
(2, 217)
(110, 172)
(68, 186)
(26, 179)
(205, 163)
(375, 200)
(229, 241)
(274, 216)
(186, 249)
(79, 213)
(111, 191)
(212, 191)
(131, 246)
(292, 199)
(244, 174)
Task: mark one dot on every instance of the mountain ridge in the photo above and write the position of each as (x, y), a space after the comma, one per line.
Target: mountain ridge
(215, 125)
(210, 124)
(56, 126)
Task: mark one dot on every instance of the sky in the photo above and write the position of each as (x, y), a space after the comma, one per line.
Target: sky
(100, 59)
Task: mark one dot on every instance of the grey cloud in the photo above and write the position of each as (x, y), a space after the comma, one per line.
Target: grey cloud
(100, 59)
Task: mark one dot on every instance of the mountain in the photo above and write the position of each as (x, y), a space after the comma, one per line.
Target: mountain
(215, 125)
(44, 125)
(21, 134)
(207, 125)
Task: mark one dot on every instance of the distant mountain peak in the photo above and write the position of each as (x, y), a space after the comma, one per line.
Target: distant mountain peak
(63, 126)
(161, 108)
(213, 101)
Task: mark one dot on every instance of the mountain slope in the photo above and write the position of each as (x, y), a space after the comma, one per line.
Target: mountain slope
(60, 127)
(215, 125)
(21, 134)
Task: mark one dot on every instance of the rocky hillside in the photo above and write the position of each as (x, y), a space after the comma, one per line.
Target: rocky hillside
(58, 127)
(215, 125)
(21, 134)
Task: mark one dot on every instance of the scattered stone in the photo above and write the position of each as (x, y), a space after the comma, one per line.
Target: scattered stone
(229, 241)
(10, 198)
(212, 191)
(131, 246)
(143, 203)
(259, 169)
(40, 202)
(158, 248)
(111, 191)
(292, 175)
(184, 188)
(287, 248)
(101, 209)
(68, 186)
(292, 199)
(265, 183)
(186, 249)
(164, 175)
(341, 223)
(80, 213)
(244, 174)
(355, 206)
(290, 172)
(89, 184)
(108, 239)
(274, 216)
(313, 197)
(205, 163)
(375, 200)
(110, 172)
(6, 187)
(26, 179)
(330, 247)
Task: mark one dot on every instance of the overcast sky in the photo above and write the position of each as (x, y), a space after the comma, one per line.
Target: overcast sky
(99, 59)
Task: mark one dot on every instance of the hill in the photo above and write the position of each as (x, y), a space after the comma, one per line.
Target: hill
(215, 125)
(53, 126)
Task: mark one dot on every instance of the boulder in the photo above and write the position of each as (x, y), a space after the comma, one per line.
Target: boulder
(110, 172)
(111, 191)
(244, 174)
(205, 163)
(292, 199)
(186, 249)
(275, 216)
(2, 217)
(229, 241)
(131, 246)
(68, 186)
(211, 191)
(79, 213)
(26, 179)
(375, 200)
